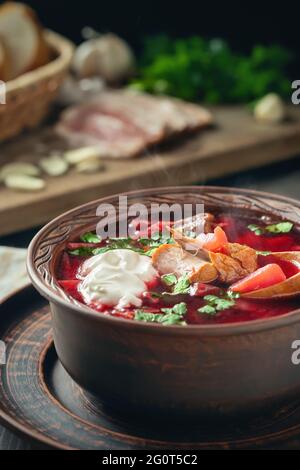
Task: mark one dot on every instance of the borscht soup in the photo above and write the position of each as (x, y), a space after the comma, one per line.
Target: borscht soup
(236, 270)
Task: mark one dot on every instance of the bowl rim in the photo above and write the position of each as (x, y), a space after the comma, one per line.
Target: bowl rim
(221, 329)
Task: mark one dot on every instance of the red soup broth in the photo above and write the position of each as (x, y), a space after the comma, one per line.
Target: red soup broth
(243, 309)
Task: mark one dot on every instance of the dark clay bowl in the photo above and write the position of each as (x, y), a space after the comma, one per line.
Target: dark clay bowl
(173, 371)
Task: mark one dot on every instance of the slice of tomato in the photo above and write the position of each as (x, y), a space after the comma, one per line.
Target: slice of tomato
(263, 277)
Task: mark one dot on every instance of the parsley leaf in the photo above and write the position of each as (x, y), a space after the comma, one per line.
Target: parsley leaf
(168, 319)
(217, 304)
(281, 227)
(179, 309)
(156, 240)
(182, 285)
(263, 253)
(82, 251)
(90, 237)
(233, 295)
(149, 252)
(169, 279)
(256, 229)
(208, 309)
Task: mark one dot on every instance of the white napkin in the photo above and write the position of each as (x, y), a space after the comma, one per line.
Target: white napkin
(13, 273)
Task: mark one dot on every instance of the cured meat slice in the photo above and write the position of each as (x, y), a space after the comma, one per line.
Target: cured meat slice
(124, 124)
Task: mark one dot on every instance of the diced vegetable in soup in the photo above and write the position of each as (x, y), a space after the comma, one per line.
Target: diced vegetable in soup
(236, 270)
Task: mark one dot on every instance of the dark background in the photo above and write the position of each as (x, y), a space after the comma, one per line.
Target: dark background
(243, 24)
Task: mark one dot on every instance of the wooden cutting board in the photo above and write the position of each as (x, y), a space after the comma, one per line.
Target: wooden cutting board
(235, 143)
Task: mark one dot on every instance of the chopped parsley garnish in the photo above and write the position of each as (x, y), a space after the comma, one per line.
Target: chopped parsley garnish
(178, 309)
(83, 251)
(169, 279)
(215, 304)
(182, 285)
(156, 240)
(256, 229)
(263, 253)
(121, 243)
(170, 316)
(113, 244)
(90, 237)
(281, 227)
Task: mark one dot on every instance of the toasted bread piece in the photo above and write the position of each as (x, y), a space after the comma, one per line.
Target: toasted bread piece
(171, 258)
(23, 38)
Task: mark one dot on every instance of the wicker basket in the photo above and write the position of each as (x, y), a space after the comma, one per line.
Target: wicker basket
(29, 96)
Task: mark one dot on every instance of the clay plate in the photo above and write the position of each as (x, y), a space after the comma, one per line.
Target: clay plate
(39, 400)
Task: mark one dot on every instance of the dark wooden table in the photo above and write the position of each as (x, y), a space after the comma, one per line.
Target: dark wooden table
(283, 178)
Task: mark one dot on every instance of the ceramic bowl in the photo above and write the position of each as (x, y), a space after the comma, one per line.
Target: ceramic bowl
(170, 371)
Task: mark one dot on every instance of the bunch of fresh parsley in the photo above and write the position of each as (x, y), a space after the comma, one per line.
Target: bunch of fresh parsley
(209, 71)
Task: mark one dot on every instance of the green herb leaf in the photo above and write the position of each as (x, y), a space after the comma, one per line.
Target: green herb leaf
(209, 71)
(233, 295)
(256, 229)
(263, 253)
(156, 240)
(140, 315)
(90, 237)
(281, 227)
(207, 309)
(168, 319)
(83, 251)
(217, 304)
(182, 286)
(149, 252)
(179, 309)
(171, 319)
(169, 279)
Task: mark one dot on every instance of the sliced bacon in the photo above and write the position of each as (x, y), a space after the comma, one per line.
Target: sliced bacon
(124, 124)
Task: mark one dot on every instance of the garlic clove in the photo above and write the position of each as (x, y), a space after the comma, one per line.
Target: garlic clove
(21, 168)
(54, 165)
(90, 166)
(24, 182)
(78, 155)
(270, 109)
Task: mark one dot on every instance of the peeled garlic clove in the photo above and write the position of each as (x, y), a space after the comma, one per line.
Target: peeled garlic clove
(270, 109)
(21, 168)
(24, 182)
(54, 165)
(90, 166)
(85, 153)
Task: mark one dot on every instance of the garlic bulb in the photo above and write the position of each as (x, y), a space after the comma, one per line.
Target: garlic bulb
(270, 109)
(107, 56)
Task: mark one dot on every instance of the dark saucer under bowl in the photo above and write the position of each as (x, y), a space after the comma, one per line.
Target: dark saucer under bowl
(40, 400)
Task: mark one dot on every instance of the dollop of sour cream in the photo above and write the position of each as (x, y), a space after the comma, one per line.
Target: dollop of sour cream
(117, 277)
